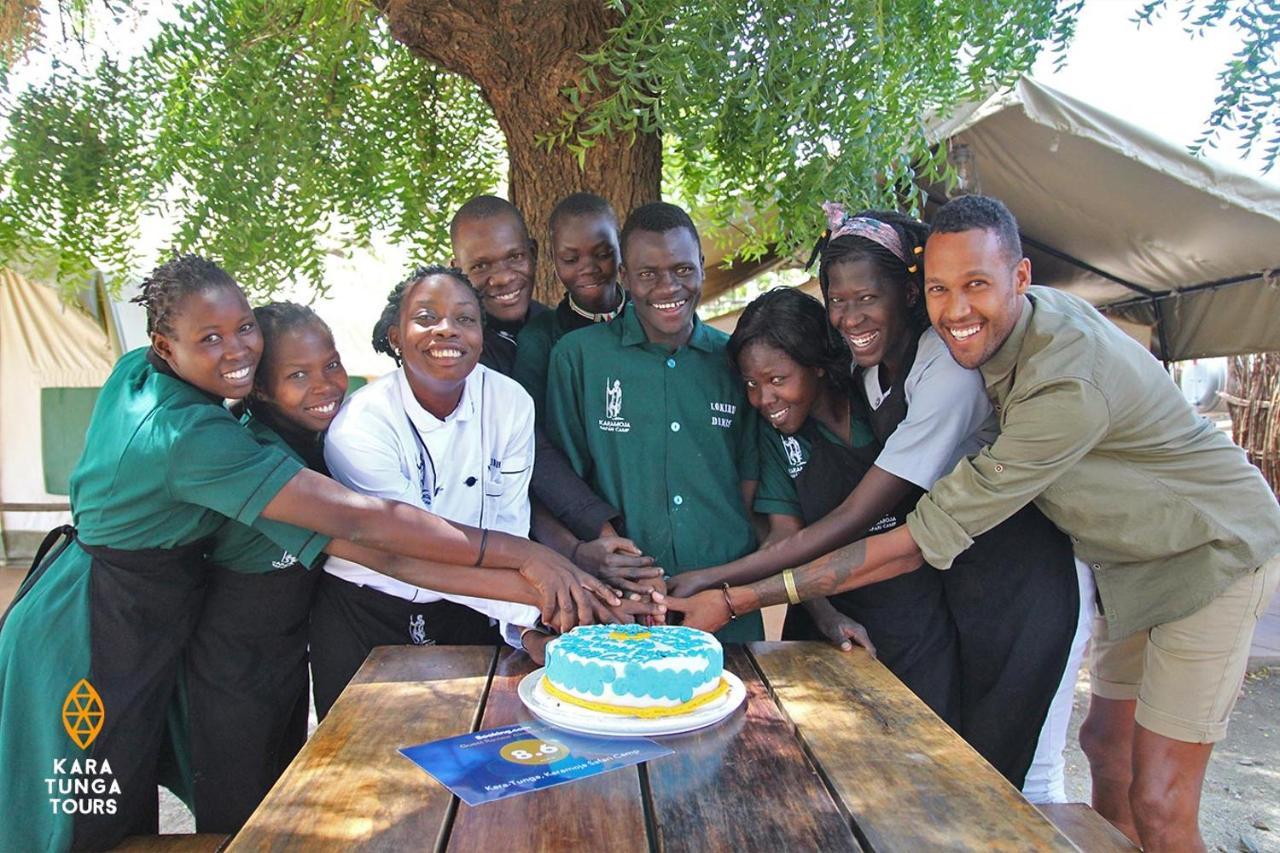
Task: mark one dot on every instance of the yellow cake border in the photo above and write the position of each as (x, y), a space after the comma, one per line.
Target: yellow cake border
(647, 713)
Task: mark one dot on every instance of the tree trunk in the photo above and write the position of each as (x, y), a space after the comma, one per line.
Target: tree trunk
(522, 54)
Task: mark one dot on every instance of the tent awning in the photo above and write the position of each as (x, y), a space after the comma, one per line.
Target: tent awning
(1129, 221)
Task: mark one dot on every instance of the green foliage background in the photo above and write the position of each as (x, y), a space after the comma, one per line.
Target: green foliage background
(273, 131)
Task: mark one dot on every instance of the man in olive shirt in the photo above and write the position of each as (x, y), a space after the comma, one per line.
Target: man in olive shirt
(1180, 530)
(650, 414)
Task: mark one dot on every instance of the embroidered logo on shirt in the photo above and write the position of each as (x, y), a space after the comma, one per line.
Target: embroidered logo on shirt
(719, 410)
(795, 455)
(418, 630)
(286, 560)
(612, 420)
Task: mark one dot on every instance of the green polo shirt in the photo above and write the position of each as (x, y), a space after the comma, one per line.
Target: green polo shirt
(269, 545)
(667, 437)
(1158, 501)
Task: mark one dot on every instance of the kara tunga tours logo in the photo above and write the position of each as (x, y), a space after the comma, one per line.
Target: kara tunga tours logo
(83, 785)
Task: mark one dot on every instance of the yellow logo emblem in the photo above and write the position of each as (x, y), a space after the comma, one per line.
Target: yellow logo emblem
(82, 713)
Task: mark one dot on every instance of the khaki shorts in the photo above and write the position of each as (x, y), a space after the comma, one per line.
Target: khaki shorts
(1186, 674)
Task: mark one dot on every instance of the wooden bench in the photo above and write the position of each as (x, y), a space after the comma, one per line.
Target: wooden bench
(1087, 829)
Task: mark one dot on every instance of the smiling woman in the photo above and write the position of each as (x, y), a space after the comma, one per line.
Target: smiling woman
(444, 433)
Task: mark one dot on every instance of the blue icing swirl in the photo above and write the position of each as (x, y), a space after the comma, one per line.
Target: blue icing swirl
(634, 646)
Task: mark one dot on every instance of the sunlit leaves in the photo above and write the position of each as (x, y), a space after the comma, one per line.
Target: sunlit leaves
(776, 105)
(1248, 102)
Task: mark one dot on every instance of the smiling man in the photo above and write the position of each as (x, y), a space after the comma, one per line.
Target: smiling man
(649, 413)
(1181, 532)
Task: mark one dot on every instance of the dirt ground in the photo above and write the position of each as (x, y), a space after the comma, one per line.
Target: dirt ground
(1240, 810)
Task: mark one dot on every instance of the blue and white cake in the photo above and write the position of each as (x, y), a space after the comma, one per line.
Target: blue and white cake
(635, 670)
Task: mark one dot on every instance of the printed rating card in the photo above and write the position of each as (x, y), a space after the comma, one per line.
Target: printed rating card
(497, 763)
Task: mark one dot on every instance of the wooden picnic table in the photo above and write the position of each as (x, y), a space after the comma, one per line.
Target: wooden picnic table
(829, 752)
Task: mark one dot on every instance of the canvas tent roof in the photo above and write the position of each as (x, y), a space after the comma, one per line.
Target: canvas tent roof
(1130, 221)
(1127, 220)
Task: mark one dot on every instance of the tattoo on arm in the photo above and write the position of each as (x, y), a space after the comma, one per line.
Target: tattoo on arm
(827, 575)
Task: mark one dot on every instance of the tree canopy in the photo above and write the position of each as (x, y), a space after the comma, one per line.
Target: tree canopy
(270, 132)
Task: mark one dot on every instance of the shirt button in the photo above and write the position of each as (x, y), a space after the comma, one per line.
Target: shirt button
(671, 362)
(675, 426)
(999, 468)
(1096, 566)
(677, 500)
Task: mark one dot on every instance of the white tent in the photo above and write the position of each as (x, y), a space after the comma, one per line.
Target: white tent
(1129, 221)
(53, 358)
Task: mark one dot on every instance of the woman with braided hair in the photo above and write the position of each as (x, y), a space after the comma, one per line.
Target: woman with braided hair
(927, 412)
(97, 628)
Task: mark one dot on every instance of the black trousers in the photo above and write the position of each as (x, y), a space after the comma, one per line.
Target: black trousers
(1014, 600)
(247, 696)
(908, 621)
(349, 620)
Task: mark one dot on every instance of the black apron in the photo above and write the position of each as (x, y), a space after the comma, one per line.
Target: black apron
(349, 620)
(1013, 599)
(247, 689)
(906, 617)
(143, 608)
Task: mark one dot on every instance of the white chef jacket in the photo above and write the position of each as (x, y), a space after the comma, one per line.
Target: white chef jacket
(948, 415)
(473, 467)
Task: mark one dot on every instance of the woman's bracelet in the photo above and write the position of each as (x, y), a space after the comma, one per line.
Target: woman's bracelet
(573, 555)
(733, 614)
(789, 581)
(484, 541)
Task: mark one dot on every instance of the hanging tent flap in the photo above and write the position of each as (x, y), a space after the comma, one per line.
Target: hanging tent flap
(53, 357)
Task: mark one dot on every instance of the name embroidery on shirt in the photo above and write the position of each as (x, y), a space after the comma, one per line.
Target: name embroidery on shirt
(286, 560)
(719, 409)
(613, 420)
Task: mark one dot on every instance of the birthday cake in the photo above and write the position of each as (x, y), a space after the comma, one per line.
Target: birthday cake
(636, 671)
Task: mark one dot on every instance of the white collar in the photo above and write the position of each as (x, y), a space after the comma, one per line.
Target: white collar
(424, 421)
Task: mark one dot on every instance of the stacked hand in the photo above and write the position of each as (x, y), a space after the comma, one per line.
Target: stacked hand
(568, 596)
(617, 561)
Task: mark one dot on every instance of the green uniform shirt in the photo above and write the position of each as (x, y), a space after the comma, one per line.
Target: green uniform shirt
(783, 457)
(533, 355)
(269, 545)
(1158, 501)
(164, 465)
(667, 437)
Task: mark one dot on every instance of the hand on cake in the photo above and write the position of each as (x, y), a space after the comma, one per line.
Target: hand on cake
(567, 595)
(706, 610)
(838, 629)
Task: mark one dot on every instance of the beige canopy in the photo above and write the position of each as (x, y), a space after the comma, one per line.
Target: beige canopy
(1129, 221)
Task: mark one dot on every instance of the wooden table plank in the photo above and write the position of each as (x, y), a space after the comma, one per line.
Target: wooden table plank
(604, 812)
(349, 787)
(743, 784)
(907, 780)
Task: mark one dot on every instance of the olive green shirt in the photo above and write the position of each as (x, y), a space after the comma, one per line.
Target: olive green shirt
(533, 355)
(1158, 501)
(667, 437)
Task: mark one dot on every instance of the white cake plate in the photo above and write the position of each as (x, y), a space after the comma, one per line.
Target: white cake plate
(549, 709)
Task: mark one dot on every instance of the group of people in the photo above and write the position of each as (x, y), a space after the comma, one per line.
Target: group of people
(936, 462)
